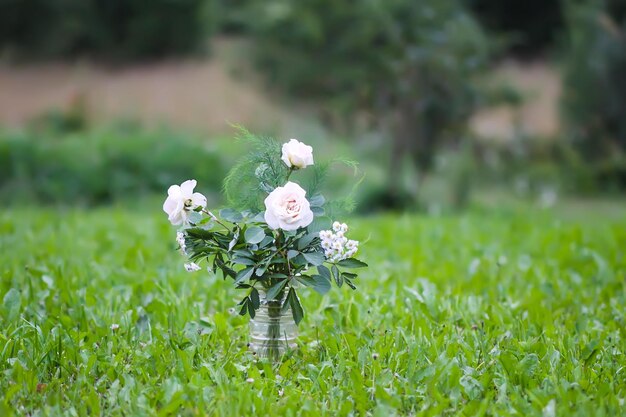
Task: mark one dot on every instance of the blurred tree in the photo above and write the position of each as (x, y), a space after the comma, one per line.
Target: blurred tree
(121, 29)
(529, 26)
(594, 96)
(409, 65)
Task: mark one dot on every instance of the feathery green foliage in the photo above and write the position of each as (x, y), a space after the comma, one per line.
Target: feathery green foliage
(256, 174)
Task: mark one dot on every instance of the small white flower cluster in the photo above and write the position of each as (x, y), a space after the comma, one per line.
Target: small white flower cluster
(180, 239)
(192, 267)
(336, 245)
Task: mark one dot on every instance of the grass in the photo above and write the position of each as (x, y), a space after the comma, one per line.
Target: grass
(485, 313)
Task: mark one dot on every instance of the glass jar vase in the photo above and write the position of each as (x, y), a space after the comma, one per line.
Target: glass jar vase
(273, 330)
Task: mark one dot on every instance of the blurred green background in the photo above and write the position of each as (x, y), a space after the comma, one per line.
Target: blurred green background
(443, 101)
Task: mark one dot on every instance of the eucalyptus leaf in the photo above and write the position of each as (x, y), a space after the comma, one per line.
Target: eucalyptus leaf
(259, 217)
(266, 241)
(317, 200)
(318, 211)
(194, 217)
(231, 215)
(254, 235)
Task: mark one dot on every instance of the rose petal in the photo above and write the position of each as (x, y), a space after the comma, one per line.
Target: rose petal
(174, 191)
(198, 200)
(187, 187)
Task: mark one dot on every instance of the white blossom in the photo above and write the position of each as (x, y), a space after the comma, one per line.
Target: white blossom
(181, 200)
(192, 267)
(287, 208)
(296, 154)
(180, 238)
(336, 245)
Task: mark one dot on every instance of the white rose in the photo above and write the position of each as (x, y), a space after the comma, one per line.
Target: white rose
(296, 154)
(287, 208)
(181, 200)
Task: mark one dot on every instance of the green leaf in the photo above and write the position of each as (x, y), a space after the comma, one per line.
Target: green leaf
(306, 240)
(314, 258)
(233, 242)
(296, 307)
(317, 200)
(244, 253)
(292, 254)
(352, 263)
(195, 217)
(319, 224)
(317, 282)
(244, 274)
(347, 278)
(589, 351)
(244, 306)
(243, 261)
(199, 233)
(318, 211)
(266, 241)
(254, 235)
(231, 215)
(259, 217)
(323, 271)
(254, 298)
(350, 284)
(275, 289)
(12, 303)
(337, 275)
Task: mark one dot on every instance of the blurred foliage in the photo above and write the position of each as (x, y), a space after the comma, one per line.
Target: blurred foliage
(100, 166)
(529, 26)
(119, 29)
(594, 98)
(406, 67)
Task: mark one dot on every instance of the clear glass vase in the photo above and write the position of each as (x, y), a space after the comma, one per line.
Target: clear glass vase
(273, 330)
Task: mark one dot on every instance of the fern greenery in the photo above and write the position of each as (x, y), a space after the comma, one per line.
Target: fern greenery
(257, 174)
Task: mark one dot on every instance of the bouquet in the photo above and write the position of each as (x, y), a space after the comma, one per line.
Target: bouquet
(275, 238)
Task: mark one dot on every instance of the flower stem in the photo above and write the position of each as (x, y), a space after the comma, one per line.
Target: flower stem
(291, 170)
(214, 217)
(272, 347)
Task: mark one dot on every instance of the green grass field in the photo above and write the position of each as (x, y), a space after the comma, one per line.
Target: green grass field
(484, 313)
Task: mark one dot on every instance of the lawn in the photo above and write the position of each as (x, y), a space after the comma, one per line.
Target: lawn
(517, 312)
